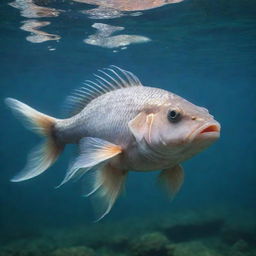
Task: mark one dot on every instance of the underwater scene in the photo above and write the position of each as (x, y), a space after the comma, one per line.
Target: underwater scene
(142, 119)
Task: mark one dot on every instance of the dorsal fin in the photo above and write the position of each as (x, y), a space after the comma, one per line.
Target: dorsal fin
(106, 80)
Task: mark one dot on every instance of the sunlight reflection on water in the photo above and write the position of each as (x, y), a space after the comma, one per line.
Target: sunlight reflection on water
(34, 10)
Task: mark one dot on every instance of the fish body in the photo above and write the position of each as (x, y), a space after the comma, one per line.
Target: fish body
(107, 117)
(121, 126)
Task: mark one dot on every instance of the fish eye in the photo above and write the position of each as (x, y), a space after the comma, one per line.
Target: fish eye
(173, 115)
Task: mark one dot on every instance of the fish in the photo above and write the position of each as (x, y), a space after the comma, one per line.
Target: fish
(119, 125)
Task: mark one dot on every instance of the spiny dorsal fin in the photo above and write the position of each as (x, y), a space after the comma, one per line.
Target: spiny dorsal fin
(106, 80)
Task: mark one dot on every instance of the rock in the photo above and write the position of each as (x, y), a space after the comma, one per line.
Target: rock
(241, 246)
(38, 247)
(151, 244)
(193, 249)
(74, 251)
(119, 242)
(232, 236)
(191, 231)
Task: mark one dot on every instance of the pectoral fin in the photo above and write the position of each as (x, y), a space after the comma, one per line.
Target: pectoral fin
(93, 152)
(141, 126)
(172, 179)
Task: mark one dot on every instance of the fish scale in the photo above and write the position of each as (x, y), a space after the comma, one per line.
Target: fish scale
(103, 114)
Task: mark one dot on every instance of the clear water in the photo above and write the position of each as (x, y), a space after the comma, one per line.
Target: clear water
(202, 50)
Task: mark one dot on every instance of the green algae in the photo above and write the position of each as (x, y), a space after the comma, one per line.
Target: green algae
(175, 234)
(74, 251)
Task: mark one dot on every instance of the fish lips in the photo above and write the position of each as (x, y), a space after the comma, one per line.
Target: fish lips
(209, 131)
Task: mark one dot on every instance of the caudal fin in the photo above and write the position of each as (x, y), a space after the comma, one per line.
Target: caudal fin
(45, 154)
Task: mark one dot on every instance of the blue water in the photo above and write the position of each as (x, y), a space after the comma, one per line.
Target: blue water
(201, 50)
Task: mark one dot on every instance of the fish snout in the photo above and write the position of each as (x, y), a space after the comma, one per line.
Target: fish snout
(207, 131)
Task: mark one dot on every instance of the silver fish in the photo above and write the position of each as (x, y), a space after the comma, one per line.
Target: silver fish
(120, 126)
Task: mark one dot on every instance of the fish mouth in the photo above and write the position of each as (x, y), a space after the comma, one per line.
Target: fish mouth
(209, 130)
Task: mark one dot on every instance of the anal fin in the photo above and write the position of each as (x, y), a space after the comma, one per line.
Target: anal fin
(107, 184)
(172, 179)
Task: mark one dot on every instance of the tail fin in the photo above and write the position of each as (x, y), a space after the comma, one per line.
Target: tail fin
(45, 154)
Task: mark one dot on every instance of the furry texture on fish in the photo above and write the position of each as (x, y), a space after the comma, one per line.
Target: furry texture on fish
(119, 126)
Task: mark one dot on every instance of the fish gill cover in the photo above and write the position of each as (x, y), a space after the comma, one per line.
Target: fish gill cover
(203, 51)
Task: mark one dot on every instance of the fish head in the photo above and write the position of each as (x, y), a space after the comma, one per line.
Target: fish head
(181, 128)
